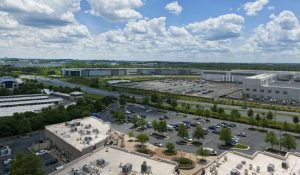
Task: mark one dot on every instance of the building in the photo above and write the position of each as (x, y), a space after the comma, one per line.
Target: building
(5, 151)
(260, 163)
(277, 87)
(10, 82)
(115, 161)
(90, 72)
(78, 137)
(25, 103)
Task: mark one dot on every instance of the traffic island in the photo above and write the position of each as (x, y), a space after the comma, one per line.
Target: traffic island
(184, 163)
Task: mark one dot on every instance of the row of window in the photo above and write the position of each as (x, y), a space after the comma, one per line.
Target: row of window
(269, 91)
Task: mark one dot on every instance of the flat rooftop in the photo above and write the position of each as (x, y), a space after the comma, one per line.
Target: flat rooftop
(261, 159)
(113, 158)
(261, 76)
(30, 102)
(4, 100)
(4, 112)
(284, 84)
(76, 131)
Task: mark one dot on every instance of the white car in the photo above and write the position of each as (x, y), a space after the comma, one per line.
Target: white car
(211, 151)
(41, 152)
(6, 162)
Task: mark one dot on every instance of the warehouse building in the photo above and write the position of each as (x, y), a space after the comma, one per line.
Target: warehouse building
(26, 103)
(78, 137)
(279, 87)
(10, 82)
(260, 163)
(90, 72)
(116, 161)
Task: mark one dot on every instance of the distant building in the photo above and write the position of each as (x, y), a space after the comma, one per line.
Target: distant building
(116, 161)
(4, 150)
(10, 82)
(260, 163)
(94, 72)
(78, 137)
(26, 103)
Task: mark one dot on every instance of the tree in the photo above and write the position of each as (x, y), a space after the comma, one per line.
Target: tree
(264, 123)
(286, 126)
(170, 147)
(203, 153)
(250, 113)
(252, 121)
(146, 101)
(162, 126)
(142, 138)
(198, 133)
(174, 103)
(257, 118)
(154, 98)
(296, 119)
(122, 100)
(271, 138)
(182, 131)
(297, 128)
(214, 108)
(26, 164)
(225, 135)
(270, 115)
(289, 142)
(235, 114)
(155, 125)
(206, 113)
(130, 134)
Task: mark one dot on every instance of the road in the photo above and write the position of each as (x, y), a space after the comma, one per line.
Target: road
(280, 115)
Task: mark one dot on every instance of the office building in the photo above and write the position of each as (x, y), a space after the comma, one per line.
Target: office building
(78, 137)
(10, 82)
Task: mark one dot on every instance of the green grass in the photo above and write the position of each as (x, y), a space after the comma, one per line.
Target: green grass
(93, 96)
(241, 146)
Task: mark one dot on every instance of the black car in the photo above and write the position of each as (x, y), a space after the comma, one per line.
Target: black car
(166, 117)
(232, 125)
(213, 127)
(181, 142)
(205, 131)
(51, 162)
(194, 124)
(161, 118)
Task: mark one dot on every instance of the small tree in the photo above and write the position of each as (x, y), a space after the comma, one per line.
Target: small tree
(206, 113)
(142, 138)
(289, 142)
(174, 103)
(130, 134)
(286, 126)
(250, 113)
(297, 128)
(270, 115)
(214, 108)
(203, 153)
(146, 101)
(154, 98)
(252, 121)
(264, 123)
(26, 164)
(225, 135)
(182, 131)
(296, 119)
(155, 125)
(221, 111)
(198, 133)
(235, 114)
(257, 118)
(170, 147)
(271, 138)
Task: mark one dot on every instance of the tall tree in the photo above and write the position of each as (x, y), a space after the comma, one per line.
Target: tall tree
(142, 138)
(225, 135)
(250, 113)
(26, 164)
(203, 153)
(198, 133)
(289, 142)
(296, 119)
(235, 114)
(271, 138)
(270, 115)
(182, 131)
(214, 108)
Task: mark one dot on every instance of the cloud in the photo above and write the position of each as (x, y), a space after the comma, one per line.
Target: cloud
(281, 33)
(251, 8)
(42, 14)
(174, 8)
(116, 10)
(220, 28)
(7, 21)
(271, 8)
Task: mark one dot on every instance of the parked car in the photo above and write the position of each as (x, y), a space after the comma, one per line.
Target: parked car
(161, 118)
(232, 125)
(188, 139)
(51, 162)
(205, 131)
(158, 144)
(166, 117)
(41, 152)
(7, 161)
(241, 134)
(216, 131)
(181, 142)
(211, 151)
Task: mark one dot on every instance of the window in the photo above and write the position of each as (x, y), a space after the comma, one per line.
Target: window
(277, 92)
(269, 91)
(262, 90)
(285, 92)
(247, 89)
(254, 90)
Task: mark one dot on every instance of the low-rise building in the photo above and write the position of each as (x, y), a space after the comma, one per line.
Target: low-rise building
(260, 163)
(10, 82)
(78, 137)
(25, 103)
(4, 150)
(115, 161)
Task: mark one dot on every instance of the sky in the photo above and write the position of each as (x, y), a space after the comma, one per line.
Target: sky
(252, 31)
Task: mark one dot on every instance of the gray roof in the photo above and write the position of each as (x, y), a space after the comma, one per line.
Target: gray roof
(8, 78)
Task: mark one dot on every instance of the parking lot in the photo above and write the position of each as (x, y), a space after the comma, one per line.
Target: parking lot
(197, 88)
(21, 144)
(253, 139)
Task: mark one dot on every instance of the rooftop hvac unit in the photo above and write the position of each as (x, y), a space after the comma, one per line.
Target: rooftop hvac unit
(285, 165)
(271, 168)
(85, 168)
(76, 172)
(77, 123)
(144, 167)
(235, 172)
(87, 126)
(127, 168)
(100, 162)
(73, 129)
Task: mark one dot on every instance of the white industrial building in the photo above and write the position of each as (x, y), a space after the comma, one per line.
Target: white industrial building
(90, 72)
(116, 161)
(78, 137)
(25, 103)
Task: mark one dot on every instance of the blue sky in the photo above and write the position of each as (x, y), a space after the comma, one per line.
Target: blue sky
(164, 30)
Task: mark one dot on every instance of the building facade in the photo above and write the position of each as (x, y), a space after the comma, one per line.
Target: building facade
(10, 82)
